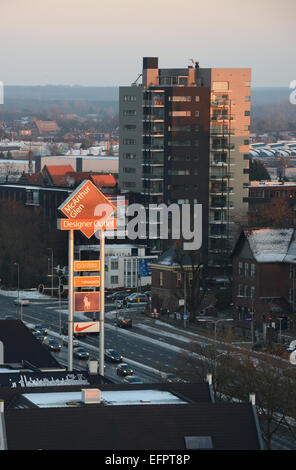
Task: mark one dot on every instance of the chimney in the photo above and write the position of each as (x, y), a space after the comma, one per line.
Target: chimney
(209, 379)
(30, 162)
(252, 398)
(93, 367)
(3, 439)
(90, 396)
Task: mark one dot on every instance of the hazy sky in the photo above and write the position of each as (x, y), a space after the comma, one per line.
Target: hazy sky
(102, 42)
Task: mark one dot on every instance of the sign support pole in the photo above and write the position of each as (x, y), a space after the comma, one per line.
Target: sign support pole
(70, 298)
(102, 301)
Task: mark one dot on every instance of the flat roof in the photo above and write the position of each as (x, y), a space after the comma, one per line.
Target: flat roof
(111, 397)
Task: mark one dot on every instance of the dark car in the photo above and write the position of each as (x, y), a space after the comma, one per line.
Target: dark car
(39, 336)
(53, 345)
(132, 379)
(112, 355)
(41, 329)
(171, 378)
(124, 369)
(123, 322)
(80, 353)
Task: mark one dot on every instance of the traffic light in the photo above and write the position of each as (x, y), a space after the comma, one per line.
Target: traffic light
(41, 288)
(269, 318)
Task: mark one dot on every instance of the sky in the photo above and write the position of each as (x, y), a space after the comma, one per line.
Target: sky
(102, 42)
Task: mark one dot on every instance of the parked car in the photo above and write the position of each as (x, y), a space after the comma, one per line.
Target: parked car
(41, 329)
(132, 379)
(135, 299)
(124, 369)
(39, 336)
(123, 322)
(112, 355)
(53, 345)
(80, 353)
(22, 302)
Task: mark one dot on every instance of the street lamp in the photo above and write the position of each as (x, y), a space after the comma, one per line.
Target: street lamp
(60, 307)
(51, 270)
(18, 291)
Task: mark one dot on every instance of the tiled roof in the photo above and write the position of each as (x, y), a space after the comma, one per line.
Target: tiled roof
(135, 427)
(20, 345)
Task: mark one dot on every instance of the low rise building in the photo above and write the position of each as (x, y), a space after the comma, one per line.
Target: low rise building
(264, 282)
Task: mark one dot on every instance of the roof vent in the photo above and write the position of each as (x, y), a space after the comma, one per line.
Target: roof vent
(198, 442)
(90, 396)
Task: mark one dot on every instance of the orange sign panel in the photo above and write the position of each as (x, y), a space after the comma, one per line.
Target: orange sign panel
(90, 265)
(87, 202)
(87, 281)
(91, 225)
(87, 301)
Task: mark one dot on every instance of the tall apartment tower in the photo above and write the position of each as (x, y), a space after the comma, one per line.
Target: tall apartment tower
(184, 138)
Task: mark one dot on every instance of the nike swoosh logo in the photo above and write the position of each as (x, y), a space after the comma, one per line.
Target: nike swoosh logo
(81, 328)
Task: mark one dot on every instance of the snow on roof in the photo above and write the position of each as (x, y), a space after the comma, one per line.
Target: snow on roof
(270, 245)
(113, 397)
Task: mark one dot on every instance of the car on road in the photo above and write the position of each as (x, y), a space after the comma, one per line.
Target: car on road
(53, 345)
(123, 322)
(41, 329)
(39, 336)
(80, 353)
(112, 355)
(171, 378)
(132, 379)
(124, 369)
(22, 302)
(119, 295)
(135, 300)
(75, 342)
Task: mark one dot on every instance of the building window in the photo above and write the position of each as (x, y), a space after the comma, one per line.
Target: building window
(129, 98)
(114, 279)
(180, 113)
(220, 86)
(292, 271)
(129, 141)
(129, 170)
(291, 296)
(240, 268)
(129, 156)
(246, 142)
(161, 278)
(196, 113)
(114, 265)
(129, 127)
(252, 270)
(246, 291)
(129, 112)
(197, 98)
(252, 292)
(246, 269)
(180, 98)
(240, 290)
(247, 113)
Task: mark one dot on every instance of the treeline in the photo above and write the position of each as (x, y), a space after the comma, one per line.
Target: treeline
(25, 237)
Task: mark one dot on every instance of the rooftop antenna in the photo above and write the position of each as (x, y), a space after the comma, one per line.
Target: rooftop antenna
(135, 82)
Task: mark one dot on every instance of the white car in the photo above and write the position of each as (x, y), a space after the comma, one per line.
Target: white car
(22, 302)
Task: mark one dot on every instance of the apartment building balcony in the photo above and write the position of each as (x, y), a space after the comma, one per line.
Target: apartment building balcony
(220, 103)
(222, 148)
(153, 148)
(153, 103)
(152, 118)
(222, 163)
(222, 117)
